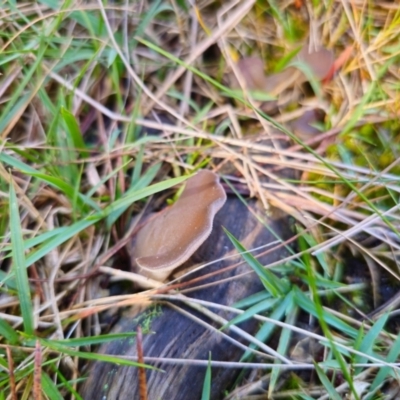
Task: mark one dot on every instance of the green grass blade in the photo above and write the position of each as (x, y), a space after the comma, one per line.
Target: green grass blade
(206, 393)
(19, 268)
(50, 388)
(268, 328)
(369, 339)
(61, 238)
(252, 300)
(333, 394)
(74, 132)
(321, 257)
(140, 194)
(89, 21)
(53, 181)
(66, 384)
(277, 287)
(13, 105)
(29, 243)
(103, 180)
(306, 397)
(383, 372)
(13, 112)
(259, 308)
(308, 305)
(143, 182)
(66, 188)
(92, 340)
(13, 162)
(283, 345)
(79, 226)
(92, 356)
(8, 332)
(137, 170)
(157, 7)
(325, 319)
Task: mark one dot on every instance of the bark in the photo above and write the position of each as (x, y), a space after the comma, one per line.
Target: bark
(174, 335)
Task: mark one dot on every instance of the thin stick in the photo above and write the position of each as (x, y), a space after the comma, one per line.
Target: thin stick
(37, 373)
(13, 388)
(141, 371)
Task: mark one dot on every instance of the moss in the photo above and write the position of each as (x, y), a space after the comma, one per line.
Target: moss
(146, 318)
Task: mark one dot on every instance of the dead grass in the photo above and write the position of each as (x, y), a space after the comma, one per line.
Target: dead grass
(81, 83)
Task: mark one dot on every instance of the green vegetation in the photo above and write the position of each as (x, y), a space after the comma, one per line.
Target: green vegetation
(105, 104)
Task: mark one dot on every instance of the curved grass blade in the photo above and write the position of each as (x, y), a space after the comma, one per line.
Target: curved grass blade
(19, 268)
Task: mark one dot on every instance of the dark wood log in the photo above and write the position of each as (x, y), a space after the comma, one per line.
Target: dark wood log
(176, 336)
